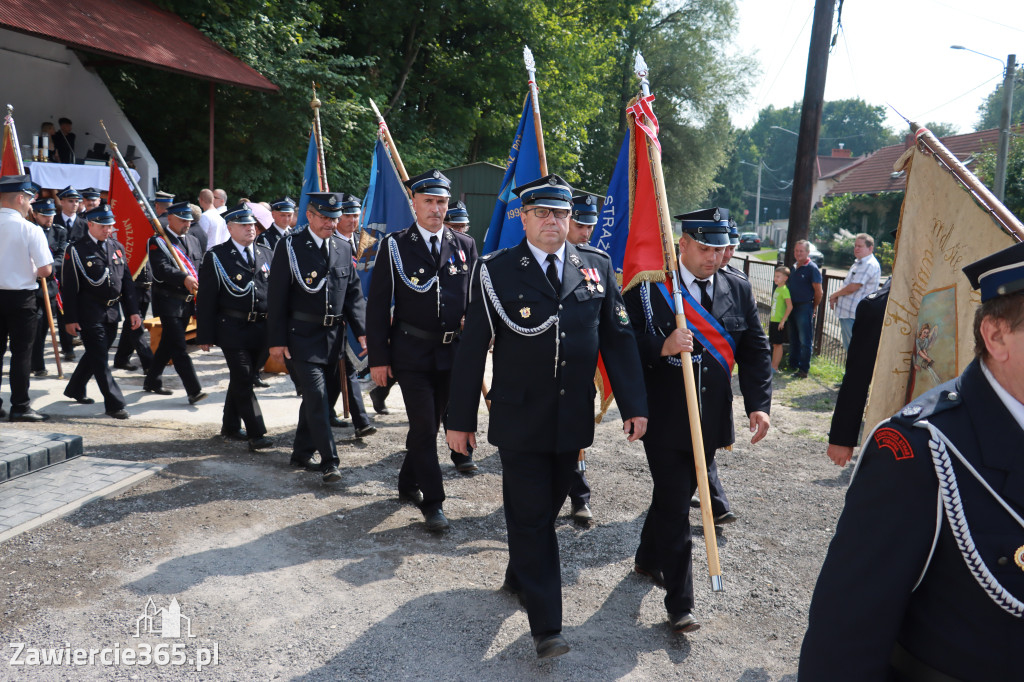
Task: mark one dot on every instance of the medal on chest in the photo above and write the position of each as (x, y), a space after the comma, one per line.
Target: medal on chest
(593, 279)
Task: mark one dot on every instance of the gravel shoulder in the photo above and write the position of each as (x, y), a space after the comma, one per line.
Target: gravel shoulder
(291, 579)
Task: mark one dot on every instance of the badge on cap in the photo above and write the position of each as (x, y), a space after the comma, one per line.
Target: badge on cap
(333, 200)
(524, 312)
(590, 200)
(552, 180)
(717, 215)
(437, 174)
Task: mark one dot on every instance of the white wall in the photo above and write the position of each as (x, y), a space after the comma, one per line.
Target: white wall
(45, 81)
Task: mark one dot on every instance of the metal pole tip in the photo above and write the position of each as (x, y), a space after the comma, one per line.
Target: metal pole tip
(716, 584)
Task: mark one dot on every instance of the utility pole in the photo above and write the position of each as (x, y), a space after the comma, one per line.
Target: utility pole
(757, 206)
(810, 124)
(1004, 125)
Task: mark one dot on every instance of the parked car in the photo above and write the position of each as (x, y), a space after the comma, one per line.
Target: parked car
(749, 241)
(817, 256)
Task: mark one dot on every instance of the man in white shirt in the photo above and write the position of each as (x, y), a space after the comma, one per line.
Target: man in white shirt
(860, 282)
(211, 221)
(24, 257)
(220, 200)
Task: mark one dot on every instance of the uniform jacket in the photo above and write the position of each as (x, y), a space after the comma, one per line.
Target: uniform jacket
(197, 231)
(866, 602)
(860, 366)
(57, 240)
(388, 345)
(169, 293)
(75, 229)
(734, 307)
(214, 326)
(85, 303)
(532, 409)
(270, 237)
(341, 297)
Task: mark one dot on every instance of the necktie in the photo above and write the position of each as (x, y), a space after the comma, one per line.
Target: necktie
(324, 250)
(705, 299)
(552, 272)
(435, 252)
(248, 257)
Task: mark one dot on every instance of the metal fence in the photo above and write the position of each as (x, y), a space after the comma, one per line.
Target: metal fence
(828, 341)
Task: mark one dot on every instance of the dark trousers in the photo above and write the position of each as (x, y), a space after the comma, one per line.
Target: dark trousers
(18, 325)
(172, 347)
(134, 340)
(356, 406)
(534, 487)
(43, 329)
(97, 339)
(240, 404)
(579, 491)
(800, 337)
(313, 433)
(666, 541)
(457, 457)
(719, 502)
(426, 399)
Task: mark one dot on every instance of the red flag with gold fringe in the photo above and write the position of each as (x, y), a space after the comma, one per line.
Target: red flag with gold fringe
(10, 158)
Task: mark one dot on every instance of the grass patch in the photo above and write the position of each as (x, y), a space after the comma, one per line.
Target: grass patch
(767, 255)
(811, 435)
(825, 371)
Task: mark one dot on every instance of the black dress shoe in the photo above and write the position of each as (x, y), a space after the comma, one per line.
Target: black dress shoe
(3, 413)
(331, 475)
(239, 434)
(159, 390)
(40, 373)
(684, 622)
(377, 397)
(549, 646)
(84, 400)
(467, 467)
(118, 414)
(307, 464)
(415, 497)
(261, 443)
(368, 430)
(582, 513)
(338, 423)
(69, 356)
(193, 399)
(436, 521)
(258, 382)
(726, 517)
(127, 366)
(28, 415)
(655, 574)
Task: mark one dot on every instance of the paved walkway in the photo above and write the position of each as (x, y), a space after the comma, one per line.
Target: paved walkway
(52, 492)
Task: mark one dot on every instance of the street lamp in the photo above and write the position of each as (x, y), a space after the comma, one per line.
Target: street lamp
(785, 130)
(1010, 68)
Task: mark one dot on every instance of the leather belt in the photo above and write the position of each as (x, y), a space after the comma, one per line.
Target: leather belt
(187, 298)
(108, 302)
(251, 316)
(323, 320)
(143, 285)
(444, 337)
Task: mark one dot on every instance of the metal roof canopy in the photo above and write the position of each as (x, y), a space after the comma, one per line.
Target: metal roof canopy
(134, 31)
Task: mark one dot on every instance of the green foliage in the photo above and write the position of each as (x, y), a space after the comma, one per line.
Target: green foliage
(940, 129)
(991, 108)
(845, 215)
(985, 169)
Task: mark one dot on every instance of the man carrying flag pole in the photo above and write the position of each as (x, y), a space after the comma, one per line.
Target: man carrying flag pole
(722, 314)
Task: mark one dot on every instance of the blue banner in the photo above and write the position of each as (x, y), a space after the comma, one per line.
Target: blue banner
(506, 227)
(385, 209)
(612, 227)
(310, 180)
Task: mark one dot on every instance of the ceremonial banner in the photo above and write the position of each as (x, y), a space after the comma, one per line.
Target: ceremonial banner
(928, 333)
(385, 209)
(132, 225)
(311, 179)
(10, 157)
(613, 222)
(523, 166)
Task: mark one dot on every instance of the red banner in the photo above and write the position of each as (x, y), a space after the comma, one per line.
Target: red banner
(644, 258)
(10, 163)
(133, 228)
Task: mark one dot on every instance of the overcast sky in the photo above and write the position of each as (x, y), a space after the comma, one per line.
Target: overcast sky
(889, 52)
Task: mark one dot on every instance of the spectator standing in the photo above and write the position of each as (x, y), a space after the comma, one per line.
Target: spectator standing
(860, 282)
(211, 221)
(782, 308)
(805, 290)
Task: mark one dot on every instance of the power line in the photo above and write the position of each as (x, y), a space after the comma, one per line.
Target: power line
(764, 92)
(961, 96)
(979, 17)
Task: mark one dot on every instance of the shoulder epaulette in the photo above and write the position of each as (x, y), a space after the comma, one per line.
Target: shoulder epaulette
(492, 254)
(592, 249)
(939, 399)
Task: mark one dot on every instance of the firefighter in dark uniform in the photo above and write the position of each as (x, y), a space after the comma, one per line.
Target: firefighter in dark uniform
(314, 290)
(174, 293)
(550, 307)
(924, 579)
(134, 340)
(581, 228)
(95, 280)
(231, 312)
(43, 212)
(68, 217)
(425, 270)
(666, 543)
(281, 211)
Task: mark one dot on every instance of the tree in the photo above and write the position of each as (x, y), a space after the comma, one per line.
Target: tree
(991, 108)
(940, 129)
(985, 169)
